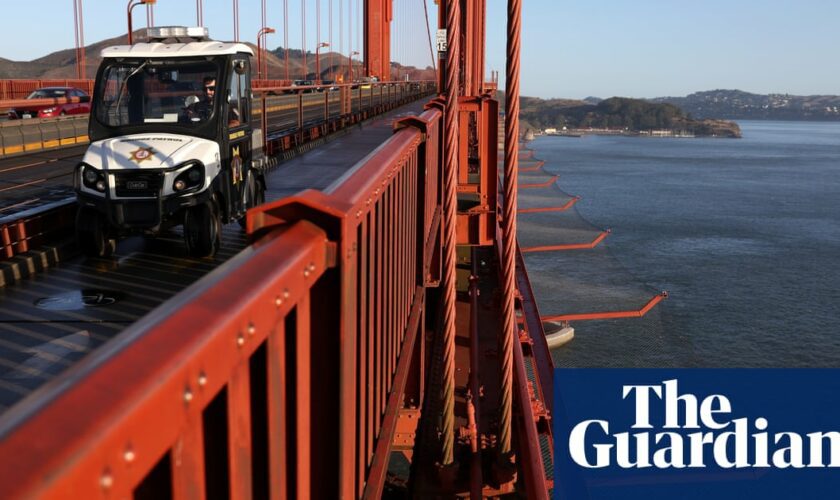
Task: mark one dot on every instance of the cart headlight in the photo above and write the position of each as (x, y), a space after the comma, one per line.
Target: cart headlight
(93, 179)
(191, 179)
(90, 176)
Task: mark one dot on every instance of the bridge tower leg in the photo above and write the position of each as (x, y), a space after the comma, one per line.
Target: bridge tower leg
(377, 51)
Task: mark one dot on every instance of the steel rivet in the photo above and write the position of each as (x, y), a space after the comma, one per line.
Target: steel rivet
(312, 267)
(286, 293)
(251, 329)
(107, 480)
(306, 273)
(240, 340)
(278, 301)
(202, 379)
(188, 395)
(128, 456)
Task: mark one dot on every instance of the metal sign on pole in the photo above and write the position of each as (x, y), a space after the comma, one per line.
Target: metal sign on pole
(440, 40)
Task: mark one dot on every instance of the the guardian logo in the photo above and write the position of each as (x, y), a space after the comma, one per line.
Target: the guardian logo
(695, 432)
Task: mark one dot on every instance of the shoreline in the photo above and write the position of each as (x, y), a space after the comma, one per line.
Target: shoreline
(578, 133)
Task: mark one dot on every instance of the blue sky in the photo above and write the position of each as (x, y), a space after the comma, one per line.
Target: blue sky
(638, 48)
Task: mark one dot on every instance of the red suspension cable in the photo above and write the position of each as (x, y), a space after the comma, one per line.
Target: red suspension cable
(286, 35)
(80, 38)
(509, 332)
(332, 47)
(450, 206)
(350, 36)
(303, 36)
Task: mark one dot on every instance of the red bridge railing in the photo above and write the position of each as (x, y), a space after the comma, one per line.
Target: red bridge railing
(20, 88)
(287, 365)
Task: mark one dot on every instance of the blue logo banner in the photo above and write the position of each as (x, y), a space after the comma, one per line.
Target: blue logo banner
(696, 434)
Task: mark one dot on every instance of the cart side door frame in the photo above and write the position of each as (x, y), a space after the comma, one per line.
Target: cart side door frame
(235, 123)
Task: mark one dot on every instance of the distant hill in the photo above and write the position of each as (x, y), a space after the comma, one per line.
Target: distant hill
(620, 114)
(737, 104)
(276, 63)
(62, 64)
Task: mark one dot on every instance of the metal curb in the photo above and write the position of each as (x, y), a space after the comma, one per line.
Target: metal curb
(33, 262)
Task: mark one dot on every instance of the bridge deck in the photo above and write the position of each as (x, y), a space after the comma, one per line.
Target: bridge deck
(52, 320)
(37, 178)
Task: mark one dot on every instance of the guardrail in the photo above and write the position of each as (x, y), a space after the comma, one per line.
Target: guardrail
(294, 115)
(300, 113)
(21, 88)
(46, 224)
(36, 134)
(292, 358)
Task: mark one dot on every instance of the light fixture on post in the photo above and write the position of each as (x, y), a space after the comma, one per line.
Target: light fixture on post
(131, 5)
(260, 47)
(318, 60)
(354, 53)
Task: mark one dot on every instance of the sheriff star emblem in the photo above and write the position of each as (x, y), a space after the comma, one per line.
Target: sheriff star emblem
(142, 154)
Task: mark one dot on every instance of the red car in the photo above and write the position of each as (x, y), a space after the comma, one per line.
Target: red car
(53, 110)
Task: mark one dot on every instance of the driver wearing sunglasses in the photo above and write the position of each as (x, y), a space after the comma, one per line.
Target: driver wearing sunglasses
(203, 108)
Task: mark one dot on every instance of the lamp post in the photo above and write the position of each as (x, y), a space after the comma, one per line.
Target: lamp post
(318, 60)
(354, 53)
(264, 31)
(131, 5)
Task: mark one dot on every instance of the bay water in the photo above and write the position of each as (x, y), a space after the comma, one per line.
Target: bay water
(744, 234)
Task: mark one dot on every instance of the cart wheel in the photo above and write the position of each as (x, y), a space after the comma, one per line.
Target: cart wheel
(203, 230)
(254, 195)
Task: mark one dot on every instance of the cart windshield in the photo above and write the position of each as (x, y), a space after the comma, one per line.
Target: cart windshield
(148, 92)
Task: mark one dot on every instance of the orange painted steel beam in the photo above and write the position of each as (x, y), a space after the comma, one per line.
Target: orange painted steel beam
(540, 184)
(535, 479)
(563, 208)
(534, 329)
(572, 246)
(609, 314)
